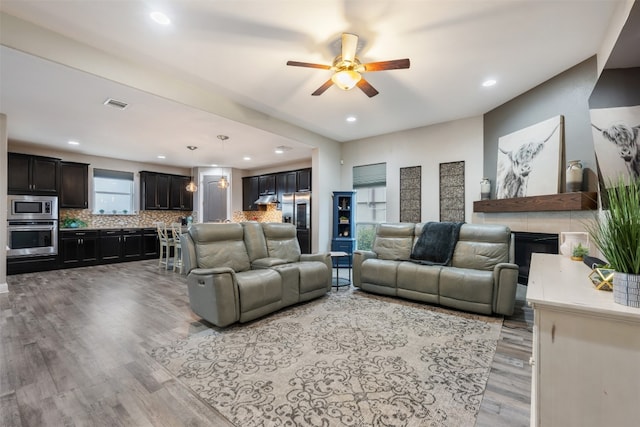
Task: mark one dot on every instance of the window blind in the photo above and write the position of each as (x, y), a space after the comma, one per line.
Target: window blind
(105, 173)
(374, 175)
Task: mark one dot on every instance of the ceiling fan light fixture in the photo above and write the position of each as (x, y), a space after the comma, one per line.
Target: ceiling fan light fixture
(346, 79)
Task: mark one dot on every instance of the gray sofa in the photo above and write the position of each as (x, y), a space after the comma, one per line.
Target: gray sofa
(481, 276)
(239, 272)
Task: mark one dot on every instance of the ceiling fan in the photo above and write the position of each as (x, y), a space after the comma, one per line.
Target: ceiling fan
(348, 68)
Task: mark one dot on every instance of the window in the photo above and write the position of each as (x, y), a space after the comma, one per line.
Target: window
(112, 191)
(370, 183)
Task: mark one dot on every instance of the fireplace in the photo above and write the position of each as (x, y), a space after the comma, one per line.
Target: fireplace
(528, 243)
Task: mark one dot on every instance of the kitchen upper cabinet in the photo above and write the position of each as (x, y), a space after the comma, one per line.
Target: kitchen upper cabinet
(154, 191)
(285, 183)
(74, 185)
(29, 174)
(179, 197)
(250, 193)
(303, 179)
(267, 184)
(161, 191)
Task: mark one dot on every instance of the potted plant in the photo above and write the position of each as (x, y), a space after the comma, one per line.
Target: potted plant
(579, 252)
(616, 232)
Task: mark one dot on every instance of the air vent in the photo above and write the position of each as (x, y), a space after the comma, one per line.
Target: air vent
(116, 104)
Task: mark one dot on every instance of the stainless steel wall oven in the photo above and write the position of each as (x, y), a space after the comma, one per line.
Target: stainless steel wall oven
(32, 226)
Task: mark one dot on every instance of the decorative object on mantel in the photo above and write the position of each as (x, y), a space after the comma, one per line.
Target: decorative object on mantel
(529, 160)
(616, 142)
(579, 252)
(616, 232)
(569, 240)
(602, 278)
(485, 189)
(574, 176)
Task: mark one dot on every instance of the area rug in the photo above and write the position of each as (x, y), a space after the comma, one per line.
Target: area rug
(347, 359)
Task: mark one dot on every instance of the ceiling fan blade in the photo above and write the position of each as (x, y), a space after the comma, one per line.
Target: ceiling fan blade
(308, 65)
(395, 64)
(349, 46)
(369, 90)
(322, 88)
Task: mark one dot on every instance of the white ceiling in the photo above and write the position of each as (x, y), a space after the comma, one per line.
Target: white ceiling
(239, 49)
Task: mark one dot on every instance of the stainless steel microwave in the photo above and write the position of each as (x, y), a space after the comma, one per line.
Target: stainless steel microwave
(24, 207)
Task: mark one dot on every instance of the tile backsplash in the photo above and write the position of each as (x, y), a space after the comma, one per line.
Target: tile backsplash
(140, 219)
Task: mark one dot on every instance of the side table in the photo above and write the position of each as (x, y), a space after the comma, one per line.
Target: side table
(340, 281)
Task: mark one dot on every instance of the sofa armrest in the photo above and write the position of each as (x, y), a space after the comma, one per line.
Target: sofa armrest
(505, 283)
(213, 295)
(262, 263)
(358, 258)
(322, 257)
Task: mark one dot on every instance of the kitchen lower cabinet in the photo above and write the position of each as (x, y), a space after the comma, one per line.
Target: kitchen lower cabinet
(78, 248)
(110, 245)
(150, 243)
(131, 244)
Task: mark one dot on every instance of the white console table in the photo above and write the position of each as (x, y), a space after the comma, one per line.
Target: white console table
(586, 349)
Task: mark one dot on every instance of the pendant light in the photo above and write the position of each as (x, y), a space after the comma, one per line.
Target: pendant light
(223, 183)
(192, 187)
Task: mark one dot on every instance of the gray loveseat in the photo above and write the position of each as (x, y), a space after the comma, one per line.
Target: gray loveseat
(239, 272)
(481, 276)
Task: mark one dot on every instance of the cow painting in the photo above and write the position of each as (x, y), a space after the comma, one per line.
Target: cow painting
(625, 138)
(516, 165)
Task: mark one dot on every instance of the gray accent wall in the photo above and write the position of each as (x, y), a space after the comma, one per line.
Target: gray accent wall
(617, 88)
(566, 94)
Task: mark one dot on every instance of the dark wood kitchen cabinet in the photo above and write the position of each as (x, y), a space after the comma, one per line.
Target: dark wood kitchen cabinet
(267, 184)
(285, 183)
(150, 243)
(250, 193)
(28, 174)
(179, 197)
(160, 191)
(110, 245)
(303, 180)
(131, 244)
(74, 185)
(78, 248)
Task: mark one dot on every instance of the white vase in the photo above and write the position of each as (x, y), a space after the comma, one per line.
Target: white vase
(626, 289)
(570, 239)
(574, 176)
(485, 189)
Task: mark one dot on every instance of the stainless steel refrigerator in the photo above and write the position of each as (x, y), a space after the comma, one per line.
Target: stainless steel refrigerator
(296, 209)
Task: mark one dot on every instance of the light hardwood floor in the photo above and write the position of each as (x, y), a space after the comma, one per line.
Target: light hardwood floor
(74, 350)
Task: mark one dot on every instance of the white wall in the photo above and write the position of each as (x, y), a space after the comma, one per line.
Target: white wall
(459, 140)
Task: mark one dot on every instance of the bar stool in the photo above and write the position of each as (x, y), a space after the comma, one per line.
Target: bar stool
(176, 231)
(166, 243)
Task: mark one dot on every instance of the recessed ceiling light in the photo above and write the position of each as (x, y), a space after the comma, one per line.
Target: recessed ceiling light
(162, 157)
(73, 143)
(351, 119)
(214, 165)
(246, 158)
(280, 149)
(160, 18)
(489, 83)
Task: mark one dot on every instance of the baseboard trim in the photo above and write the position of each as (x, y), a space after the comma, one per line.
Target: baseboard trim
(4, 288)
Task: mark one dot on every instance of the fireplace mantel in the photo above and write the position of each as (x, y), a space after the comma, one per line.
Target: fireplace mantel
(578, 201)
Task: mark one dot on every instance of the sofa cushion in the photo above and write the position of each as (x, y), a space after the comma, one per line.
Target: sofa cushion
(313, 275)
(419, 278)
(282, 241)
(380, 272)
(220, 245)
(393, 241)
(467, 285)
(254, 241)
(482, 246)
(258, 288)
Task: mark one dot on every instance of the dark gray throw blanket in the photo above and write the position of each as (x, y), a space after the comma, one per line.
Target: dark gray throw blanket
(436, 244)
